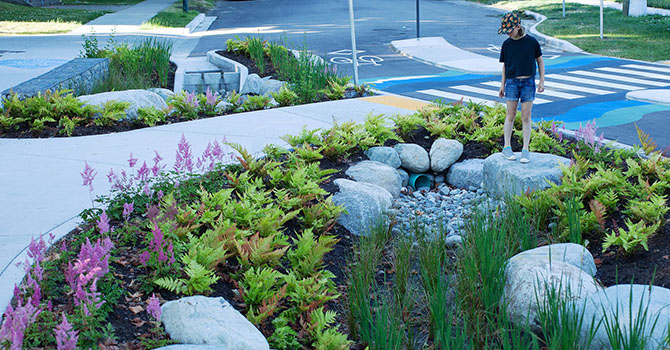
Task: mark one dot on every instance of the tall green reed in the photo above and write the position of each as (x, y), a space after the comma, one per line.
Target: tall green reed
(573, 213)
(256, 49)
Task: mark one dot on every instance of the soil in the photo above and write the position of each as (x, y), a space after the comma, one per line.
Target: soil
(270, 70)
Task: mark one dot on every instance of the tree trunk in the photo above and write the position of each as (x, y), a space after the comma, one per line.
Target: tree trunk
(626, 6)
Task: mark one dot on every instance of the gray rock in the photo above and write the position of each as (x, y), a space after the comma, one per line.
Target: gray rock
(365, 203)
(413, 157)
(259, 86)
(404, 176)
(224, 106)
(439, 179)
(191, 347)
(527, 284)
(503, 177)
(453, 241)
(210, 321)
(624, 300)
(163, 93)
(377, 173)
(443, 153)
(386, 155)
(136, 98)
(569, 253)
(466, 174)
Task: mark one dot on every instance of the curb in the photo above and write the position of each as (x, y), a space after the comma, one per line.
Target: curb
(548, 40)
(194, 23)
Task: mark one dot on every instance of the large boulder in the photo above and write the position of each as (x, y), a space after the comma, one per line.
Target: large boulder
(504, 177)
(163, 93)
(530, 277)
(377, 173)
(466, 174)
(443, 153)
(386, 155)
(365, 203)
(137, 99)
(413, 157)
(210, 321)
(570, 253)
(259, 86)
(625, 302)
(191, 347)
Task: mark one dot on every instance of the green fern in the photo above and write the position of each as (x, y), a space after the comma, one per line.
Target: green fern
(648, 145)
(307, 256)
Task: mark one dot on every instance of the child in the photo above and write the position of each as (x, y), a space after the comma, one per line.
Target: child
(519, 54)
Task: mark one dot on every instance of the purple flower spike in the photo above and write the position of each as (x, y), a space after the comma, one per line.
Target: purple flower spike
(88, 175)
(132, 161)
(127, 210)
(66, 337)
(103, 223)
(154, 307)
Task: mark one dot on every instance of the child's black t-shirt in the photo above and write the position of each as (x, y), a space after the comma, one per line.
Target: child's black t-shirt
(519, 56)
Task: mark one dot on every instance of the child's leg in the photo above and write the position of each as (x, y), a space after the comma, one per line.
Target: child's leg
(509, 122)
(526, 108)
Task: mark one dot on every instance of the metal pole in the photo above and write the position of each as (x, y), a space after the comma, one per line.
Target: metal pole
(563, 8)
(354, 52)
(601, 19)
(418, 33)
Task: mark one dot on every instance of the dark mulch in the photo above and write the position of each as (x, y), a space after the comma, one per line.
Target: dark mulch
(270, 70)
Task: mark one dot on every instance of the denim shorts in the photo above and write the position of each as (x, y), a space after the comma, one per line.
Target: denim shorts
(520, 89)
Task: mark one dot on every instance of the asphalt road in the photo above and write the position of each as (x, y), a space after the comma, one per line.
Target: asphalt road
(581, 88)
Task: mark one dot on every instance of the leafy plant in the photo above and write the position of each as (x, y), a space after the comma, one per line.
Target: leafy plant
(307, 256)
(254, 103)
(630, 238)
(199, 279)
(259, 284)
(376, 126)
(407, 123)
(150, 116)
(335, 91)
(285, 97)
(256, 48)
(648, 144)
(112, 112)
(186, 104)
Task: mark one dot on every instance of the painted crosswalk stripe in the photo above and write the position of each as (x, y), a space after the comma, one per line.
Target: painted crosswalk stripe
(652, 68)
(572, 79)
(619, 78)
(665, 77)
(548, 92)
(557, 85)
(489, 92)
(456, 97)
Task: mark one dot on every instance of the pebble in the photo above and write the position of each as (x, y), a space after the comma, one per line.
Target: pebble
(445, 207)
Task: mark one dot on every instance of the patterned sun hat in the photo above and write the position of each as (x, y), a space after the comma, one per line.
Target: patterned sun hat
(509, 21)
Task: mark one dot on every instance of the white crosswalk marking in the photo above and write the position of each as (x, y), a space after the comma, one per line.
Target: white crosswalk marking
(456, 97)
(619, 78)
(665, 77)
(593, 82)
(548, 92)
(651, 68)
(489, 92)
(556, 85)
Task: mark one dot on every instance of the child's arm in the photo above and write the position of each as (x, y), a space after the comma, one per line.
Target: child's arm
(501, 92)
(540, 68)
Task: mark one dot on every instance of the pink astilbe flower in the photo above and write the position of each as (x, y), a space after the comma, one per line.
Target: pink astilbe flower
(157, 168)
(587, 135)
(103, 223)
(92, 264)
(159, 247)
(556, 131)
(88, 175)
(66, 337)
(132, 161)
(154, 307)
(127, 210)
(16, 321)
(142, 173)
(192, 100)
(184, 158)
(211, 99)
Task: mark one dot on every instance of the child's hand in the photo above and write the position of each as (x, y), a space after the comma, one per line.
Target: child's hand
(540, 87)
(501, 92)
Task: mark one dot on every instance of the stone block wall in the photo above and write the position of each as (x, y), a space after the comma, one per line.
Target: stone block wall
(79, 74)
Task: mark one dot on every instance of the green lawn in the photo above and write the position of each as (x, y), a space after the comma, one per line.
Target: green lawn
(100, 2)
(175, 17)
(644, 38)
(16, 19)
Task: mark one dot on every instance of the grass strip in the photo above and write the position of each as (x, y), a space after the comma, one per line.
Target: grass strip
(100, 2)
(17, 19)
(642, 38)
(175, 17)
